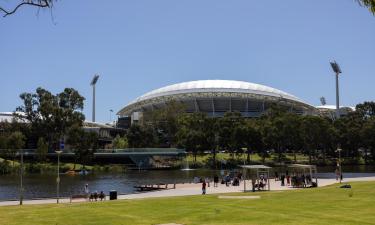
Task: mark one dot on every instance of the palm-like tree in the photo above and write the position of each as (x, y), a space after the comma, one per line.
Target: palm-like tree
(369, 4)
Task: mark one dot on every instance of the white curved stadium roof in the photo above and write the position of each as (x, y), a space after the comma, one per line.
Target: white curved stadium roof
(209, 86)
(216, 86)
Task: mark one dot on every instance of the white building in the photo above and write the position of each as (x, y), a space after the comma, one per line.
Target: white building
(215, 97)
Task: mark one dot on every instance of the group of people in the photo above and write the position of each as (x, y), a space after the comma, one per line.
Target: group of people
(259, 183)
(93, 196)
(234, 180)
(227, 180)
(297, 180)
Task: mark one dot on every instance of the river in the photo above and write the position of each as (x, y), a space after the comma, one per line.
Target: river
(44, 185)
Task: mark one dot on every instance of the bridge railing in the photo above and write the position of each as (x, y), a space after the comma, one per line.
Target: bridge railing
(141, 150)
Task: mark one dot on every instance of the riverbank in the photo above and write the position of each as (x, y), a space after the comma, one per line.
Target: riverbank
(187, 189)
(12, 167)
(324, 205)
(229, 161)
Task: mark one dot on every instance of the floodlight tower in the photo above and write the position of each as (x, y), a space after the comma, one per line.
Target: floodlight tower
(323, 100)
(93, 83)
(337, 70)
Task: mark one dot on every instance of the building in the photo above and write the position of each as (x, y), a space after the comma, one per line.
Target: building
(215, 97)
(330, 110)
(9, 117)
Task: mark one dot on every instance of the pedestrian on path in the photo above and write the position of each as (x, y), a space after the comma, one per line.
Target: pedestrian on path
(216, 180)
(86, 189)
(204, 187)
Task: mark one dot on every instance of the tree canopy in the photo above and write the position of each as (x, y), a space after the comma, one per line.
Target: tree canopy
(49, 115)
(370, 4)
(33, 3)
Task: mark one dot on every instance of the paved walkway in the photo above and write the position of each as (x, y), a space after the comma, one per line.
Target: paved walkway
(195, 189)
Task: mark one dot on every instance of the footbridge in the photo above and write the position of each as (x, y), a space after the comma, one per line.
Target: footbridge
(142, 158)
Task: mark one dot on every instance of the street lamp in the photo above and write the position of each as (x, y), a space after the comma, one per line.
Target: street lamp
(340, 171)
(58, 176)
(337, 70)
(93, 83)
(21, 178)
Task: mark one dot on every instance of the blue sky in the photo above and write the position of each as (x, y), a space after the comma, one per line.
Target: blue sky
(138, 46)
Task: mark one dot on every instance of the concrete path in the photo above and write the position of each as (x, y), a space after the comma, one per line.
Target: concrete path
(195, 189)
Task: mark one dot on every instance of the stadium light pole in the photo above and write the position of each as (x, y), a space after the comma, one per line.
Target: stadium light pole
(93, 83)
(110, 115)
(337, 70)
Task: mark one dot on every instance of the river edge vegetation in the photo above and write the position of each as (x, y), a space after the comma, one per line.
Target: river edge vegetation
(276, 137)
(9, 167)
(325, 205)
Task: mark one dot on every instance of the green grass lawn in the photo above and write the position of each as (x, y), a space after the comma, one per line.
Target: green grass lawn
(203, 158)
(327, 205)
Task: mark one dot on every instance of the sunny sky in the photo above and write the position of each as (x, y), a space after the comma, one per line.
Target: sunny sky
(138, 46)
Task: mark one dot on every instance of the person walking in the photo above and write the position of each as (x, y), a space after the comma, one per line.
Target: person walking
(216, 180)
(87, 191)
(204, 187)
(337, 172)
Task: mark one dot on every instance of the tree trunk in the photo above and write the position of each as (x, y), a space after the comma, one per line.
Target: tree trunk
(248, 156)
(214, 157)
(74, 165)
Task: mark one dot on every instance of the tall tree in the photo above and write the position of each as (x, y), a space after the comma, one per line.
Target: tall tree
(370, 4)
(349, 130)
(33, 3)
(51, 115)
(84, 144)
(16, 141)
(120, 142)
(366, 109)
(229, 138)
(276, 129)
(42, 149)
(196, 133)
(367, 135)
(251, 136)
(141, 136)
(164, 120)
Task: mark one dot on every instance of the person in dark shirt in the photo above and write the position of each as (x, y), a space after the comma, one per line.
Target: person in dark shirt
(204, 187)
(216, 180)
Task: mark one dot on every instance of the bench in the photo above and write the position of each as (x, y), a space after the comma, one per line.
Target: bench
(78, 197)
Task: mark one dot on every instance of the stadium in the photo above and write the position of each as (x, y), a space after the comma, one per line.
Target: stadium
(215, 97)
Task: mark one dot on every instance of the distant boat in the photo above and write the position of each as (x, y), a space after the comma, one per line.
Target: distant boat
(77, 172)
(71, 172)
(83, 172)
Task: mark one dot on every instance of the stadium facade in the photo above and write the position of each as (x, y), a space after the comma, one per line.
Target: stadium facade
(215, 97)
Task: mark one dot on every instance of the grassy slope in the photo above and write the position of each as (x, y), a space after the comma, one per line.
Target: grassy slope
(69, 165)
(254, 157)
(327, 205)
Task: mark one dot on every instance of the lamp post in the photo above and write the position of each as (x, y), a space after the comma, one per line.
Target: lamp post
(340, 171)
(58, 176)
(21, 178)
(337, 70)
(93, 83)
